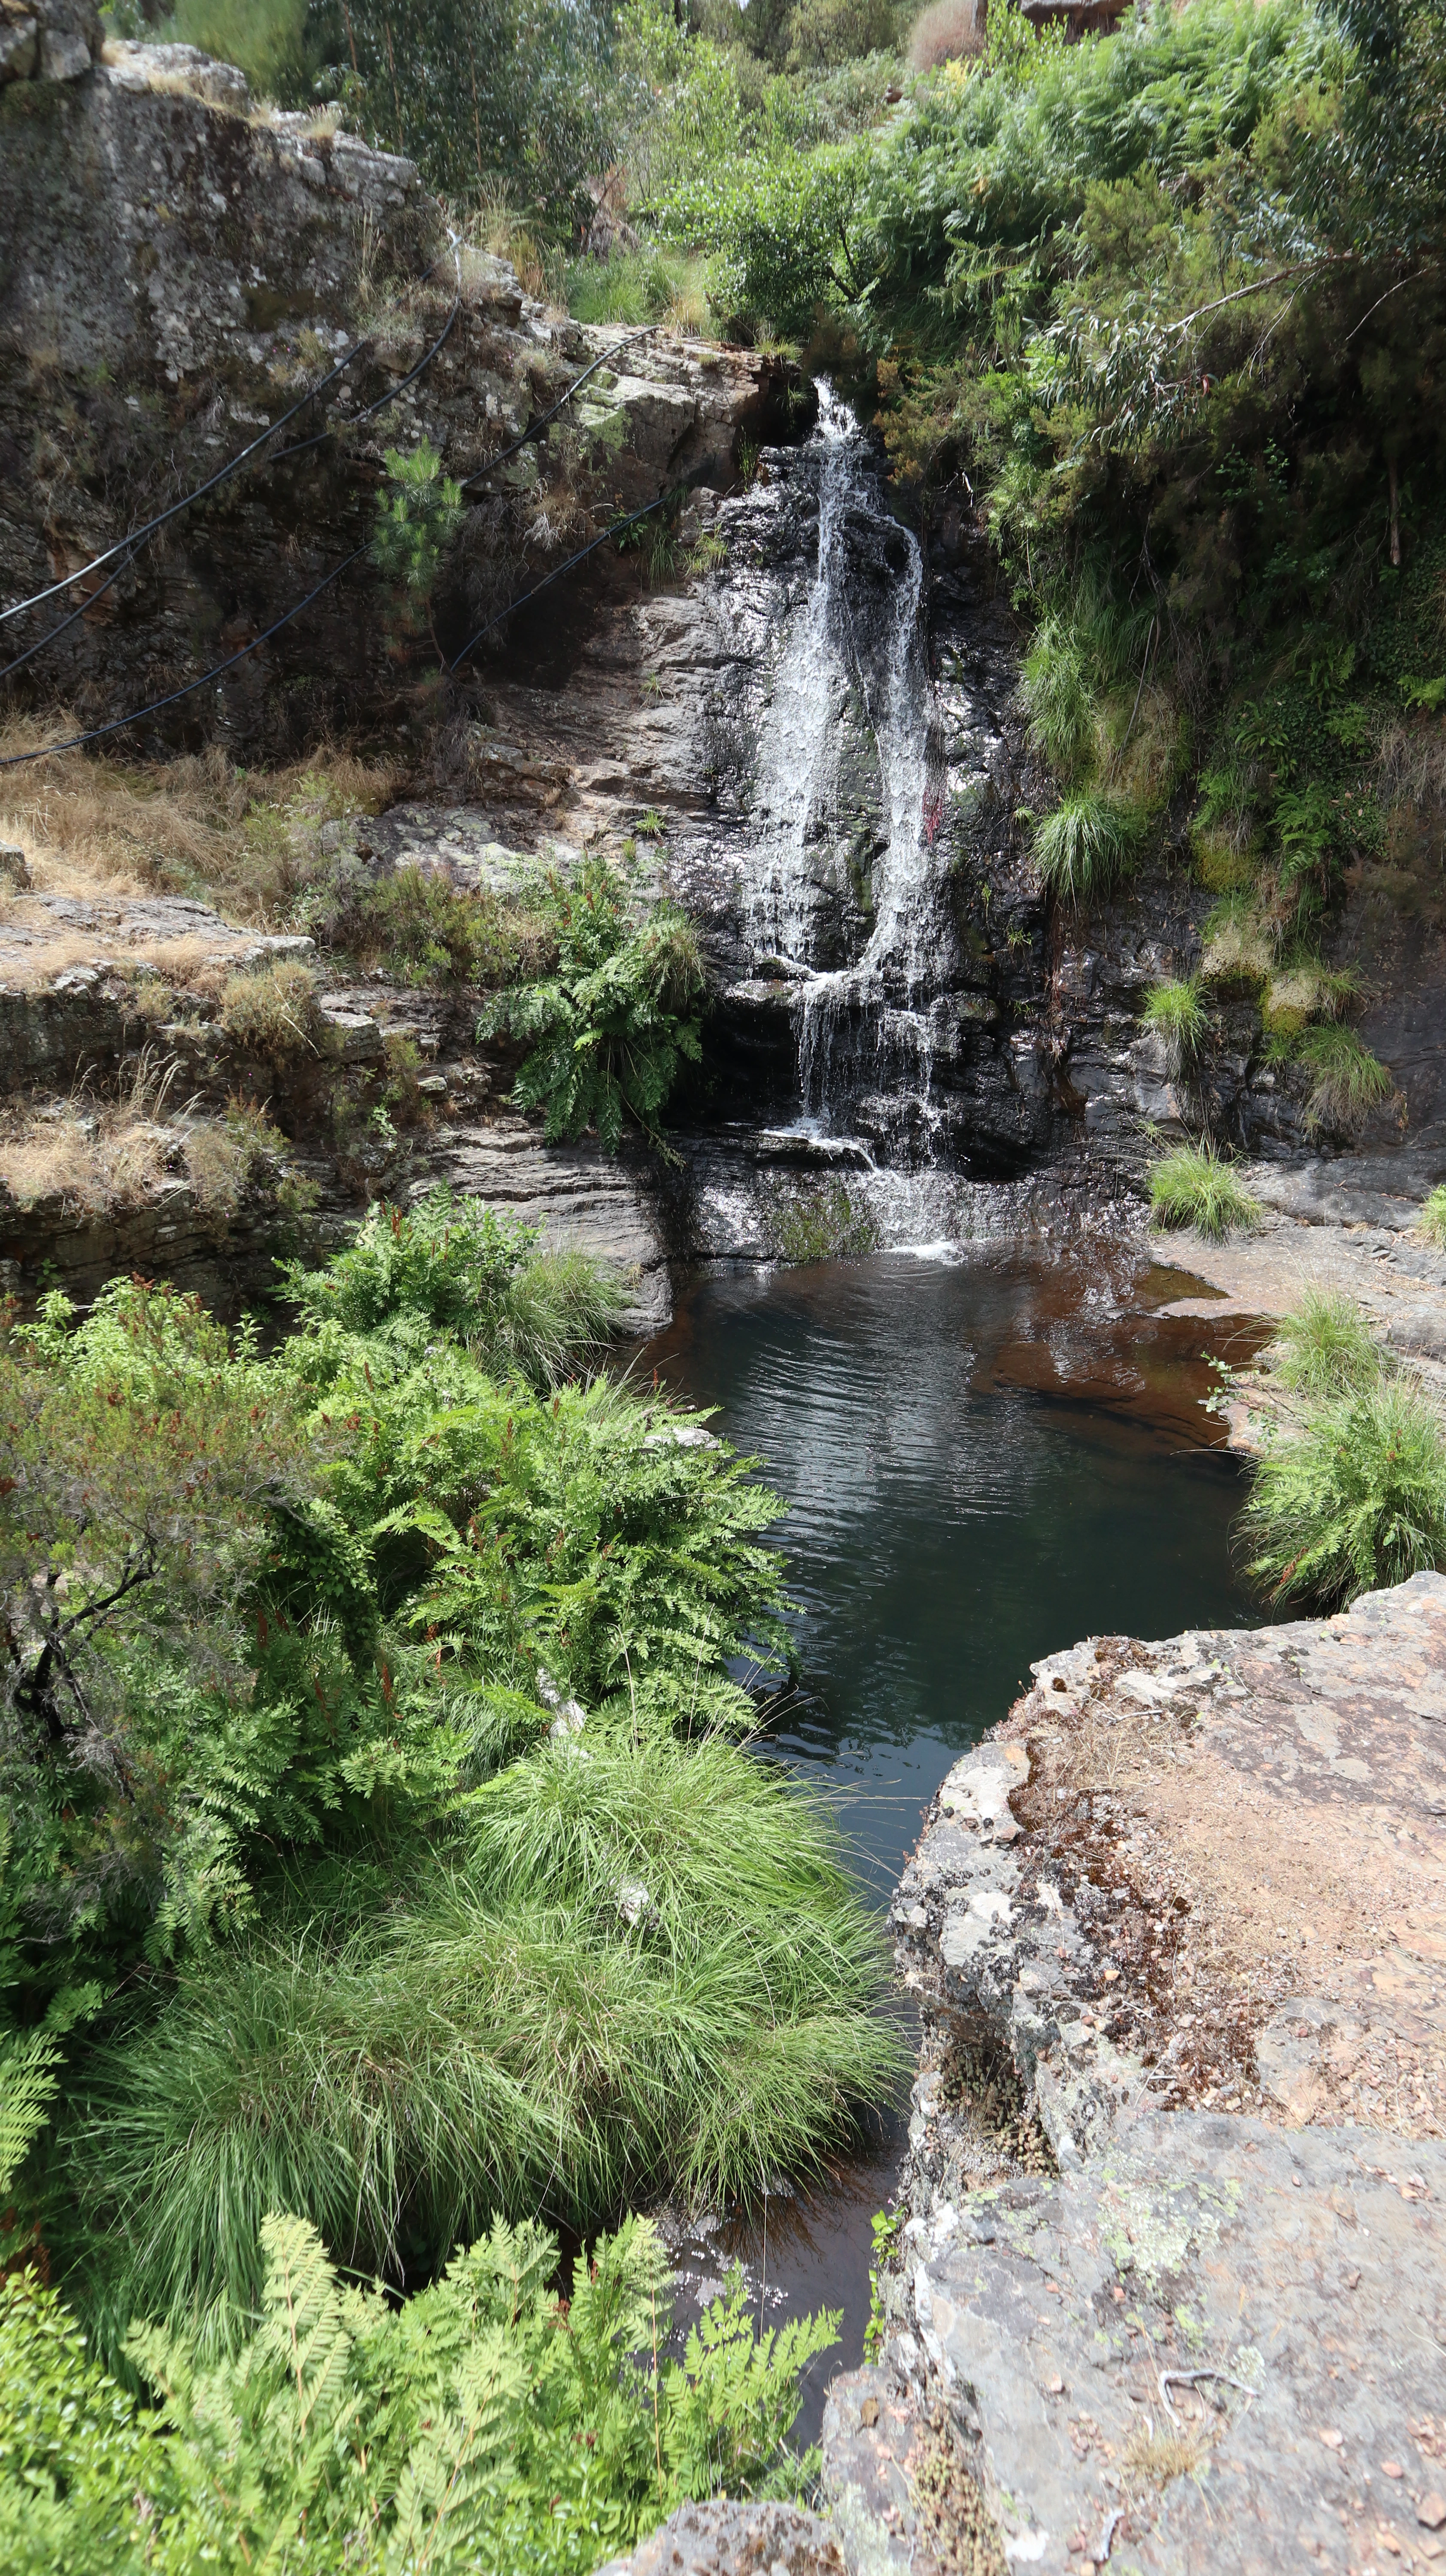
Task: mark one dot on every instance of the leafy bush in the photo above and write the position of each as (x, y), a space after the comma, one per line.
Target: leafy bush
(642, 1970)
(1325, 1348)
(1191, 1186)
(489, 2424)
(1347, 1079)
(1085, 845)
(1432, 1217)
(610, 1033)
(1176, 1012)
(452, 1265)
(1356, 1501)
(292, 1644)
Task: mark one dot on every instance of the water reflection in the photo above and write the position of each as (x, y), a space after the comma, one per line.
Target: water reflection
(985, 1460)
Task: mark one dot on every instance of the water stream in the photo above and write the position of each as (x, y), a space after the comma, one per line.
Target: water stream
(851, 678)
(984, 1459)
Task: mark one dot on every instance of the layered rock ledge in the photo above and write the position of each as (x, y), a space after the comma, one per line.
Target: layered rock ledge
(1184, 1917)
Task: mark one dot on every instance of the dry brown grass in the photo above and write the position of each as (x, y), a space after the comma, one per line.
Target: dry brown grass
(105, 1157)
(274, 1012)
(1154, 2458)
(947, 32)
(197, 825)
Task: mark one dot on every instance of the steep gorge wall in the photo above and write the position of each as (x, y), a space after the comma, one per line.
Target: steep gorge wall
(177, 268)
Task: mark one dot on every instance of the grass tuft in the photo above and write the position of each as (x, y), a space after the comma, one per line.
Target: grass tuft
(515, 2039)
(1085, 844)
(1192, 1186)
(1176, 1012)
(1325, 1348)
(1432, 1219)
(1348, 1080)
(1358, 1501)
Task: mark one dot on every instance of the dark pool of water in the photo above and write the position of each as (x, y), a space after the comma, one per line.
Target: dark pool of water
(983, 1462)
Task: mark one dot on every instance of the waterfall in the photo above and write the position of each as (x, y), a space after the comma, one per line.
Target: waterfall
(851, 697)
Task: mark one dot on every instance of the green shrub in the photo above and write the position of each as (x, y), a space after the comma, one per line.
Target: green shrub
(1348, 1080)
(644, 1970)
(1432, 1218)
(454, 1266)
(1176, 1012)
(1357, 1501)
(1325, 1348)
(1191, 1186)
(610, 1033)
(1085, 845)
(417, 517)
(485, 2426)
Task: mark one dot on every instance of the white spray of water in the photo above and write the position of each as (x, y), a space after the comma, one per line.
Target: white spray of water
(876, 1006)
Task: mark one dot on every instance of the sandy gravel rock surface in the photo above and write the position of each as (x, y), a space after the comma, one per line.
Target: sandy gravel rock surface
(1182, 1921)
(735, 2540)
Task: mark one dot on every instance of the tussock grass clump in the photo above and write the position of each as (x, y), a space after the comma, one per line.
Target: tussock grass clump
(274, 1012)
(1325, 1348)
(1192, 1186)
(648, 1970)
(1432, 1219)
(1176, 1012)
(1348, 1080)
(1085, 845)
(1356, 1502)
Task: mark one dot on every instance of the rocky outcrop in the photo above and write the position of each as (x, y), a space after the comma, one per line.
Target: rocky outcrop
(48, 40)
(177, 269)
(1186, 1909)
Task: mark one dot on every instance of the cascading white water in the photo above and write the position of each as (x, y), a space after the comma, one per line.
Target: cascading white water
(857, 645)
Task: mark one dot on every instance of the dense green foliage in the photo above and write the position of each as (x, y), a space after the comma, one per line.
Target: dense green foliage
(1356, 1500)
(1351, 1492)
(378, 1847)
(485, 2425)
(611, 1031)
(1192, 1186)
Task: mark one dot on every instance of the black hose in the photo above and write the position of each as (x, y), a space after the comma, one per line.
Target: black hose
(128, 547)
(98, 733)
(583, 552)
(536, 427)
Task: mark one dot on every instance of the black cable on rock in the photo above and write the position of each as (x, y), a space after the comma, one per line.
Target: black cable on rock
(98, 733)
(581, 556)
(536, 427)
(128, 547)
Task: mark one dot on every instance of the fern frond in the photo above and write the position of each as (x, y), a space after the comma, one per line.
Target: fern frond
(29, 2074)
(305, 2327)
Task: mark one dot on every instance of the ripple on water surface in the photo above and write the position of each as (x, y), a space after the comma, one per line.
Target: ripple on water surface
(984, 1460)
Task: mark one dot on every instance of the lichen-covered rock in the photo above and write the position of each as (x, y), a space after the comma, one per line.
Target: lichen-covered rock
(1190, 1901)
(48, 40)
(723, 2539)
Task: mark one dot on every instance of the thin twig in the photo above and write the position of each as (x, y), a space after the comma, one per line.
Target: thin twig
(1187, 2379)
(1107, 2537)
